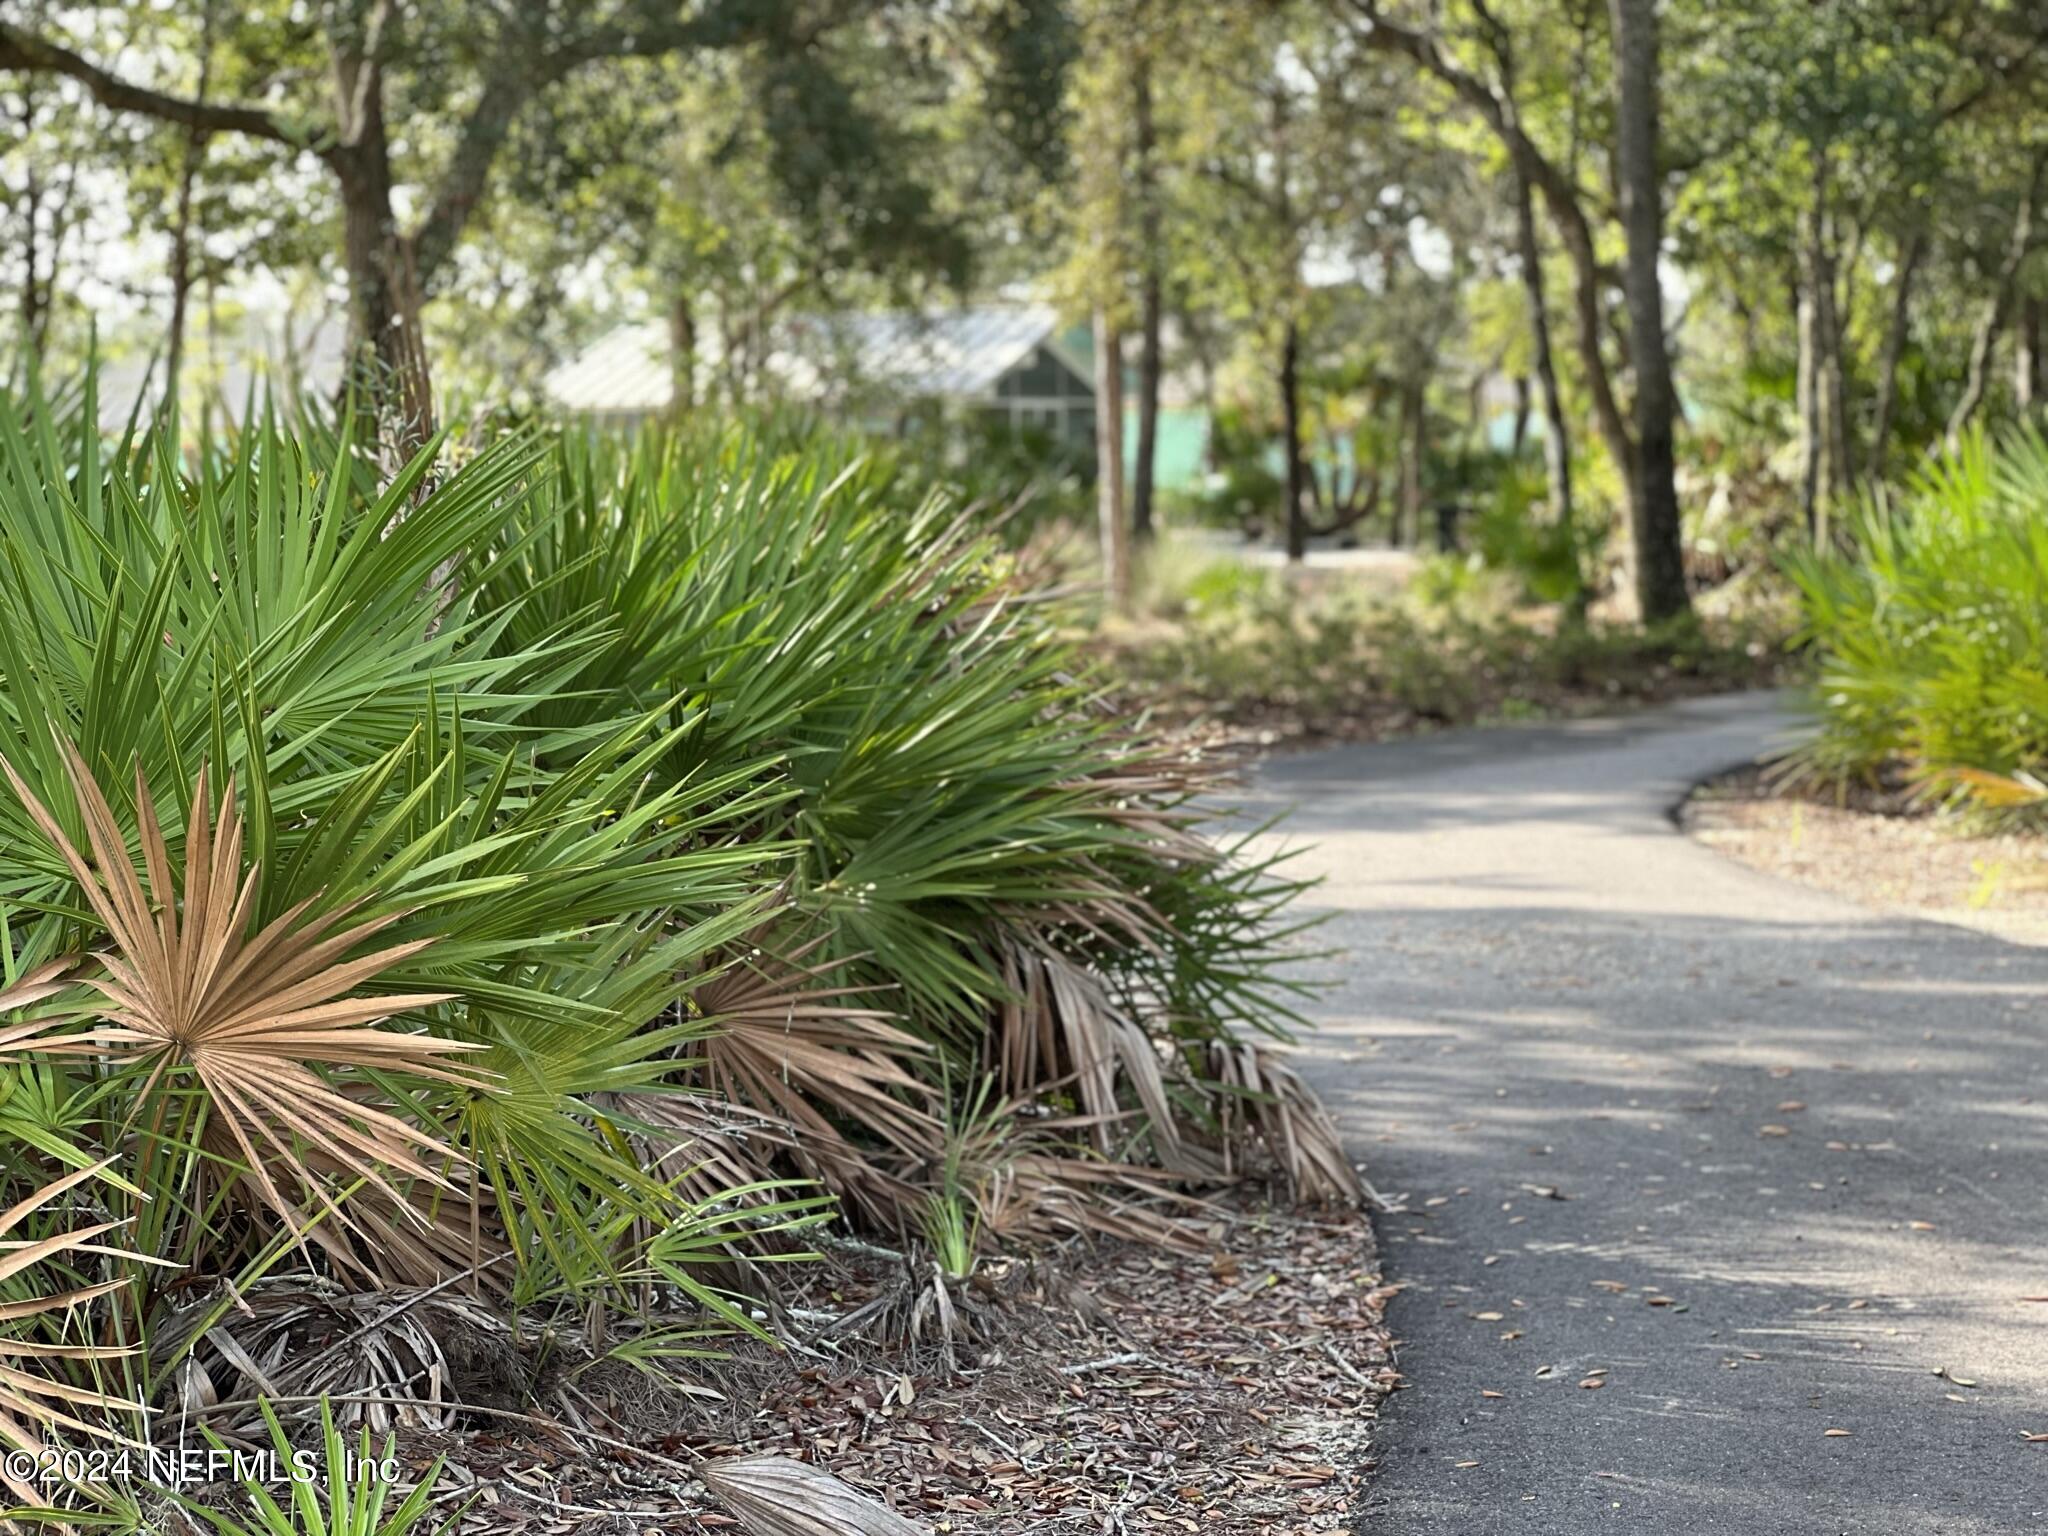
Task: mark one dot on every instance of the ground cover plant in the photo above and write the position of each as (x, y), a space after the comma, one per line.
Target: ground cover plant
(553, 884)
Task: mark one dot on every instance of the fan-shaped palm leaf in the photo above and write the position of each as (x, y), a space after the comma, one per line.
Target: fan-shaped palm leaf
(252, 1017)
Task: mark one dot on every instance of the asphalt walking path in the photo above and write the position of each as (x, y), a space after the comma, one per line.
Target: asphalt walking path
(1715, 1198)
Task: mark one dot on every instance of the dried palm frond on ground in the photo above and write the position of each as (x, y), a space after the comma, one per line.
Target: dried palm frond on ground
(779, 1497)
(431, 1353)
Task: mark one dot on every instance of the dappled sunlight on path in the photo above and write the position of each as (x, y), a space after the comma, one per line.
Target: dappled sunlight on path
(1692, 1166)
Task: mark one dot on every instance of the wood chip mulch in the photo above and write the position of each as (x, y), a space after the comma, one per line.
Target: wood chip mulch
(1114, 1388)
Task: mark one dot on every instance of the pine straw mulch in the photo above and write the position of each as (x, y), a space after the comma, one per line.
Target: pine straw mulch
(1116, 1388)
(1882, 845)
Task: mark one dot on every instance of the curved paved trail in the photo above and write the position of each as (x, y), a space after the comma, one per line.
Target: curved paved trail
(1603, 1068)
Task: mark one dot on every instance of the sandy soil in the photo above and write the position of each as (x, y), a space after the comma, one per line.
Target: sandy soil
(1881, 851)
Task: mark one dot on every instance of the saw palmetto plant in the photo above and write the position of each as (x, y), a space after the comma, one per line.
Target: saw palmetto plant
(556, 884)
(956, 791)
(1931, 630)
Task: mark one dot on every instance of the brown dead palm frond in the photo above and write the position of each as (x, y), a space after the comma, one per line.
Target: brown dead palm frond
(418, 1233)
(784, 1041)
(774, 1496)
(1036, 1193)
(44, 981)
(402, 1358)
(35, 1409)
(1059, 1027)
(250, 1017)
(1259, 1097)
(704, 1147)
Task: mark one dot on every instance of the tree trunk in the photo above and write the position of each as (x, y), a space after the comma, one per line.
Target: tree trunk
(682, 354)
(1897, 331)
(1560, 195)
(388, 361)
(195, 146)
(1807, 395)
(1144, 470)
(1557, 452)
(1414, 424)
(1518, 432)
(1999, 306)
(2026, 358)
(1290, 427)
(1659, 555)
(1820, 341)
(1109, 460)
(181, 272)
(31, 295)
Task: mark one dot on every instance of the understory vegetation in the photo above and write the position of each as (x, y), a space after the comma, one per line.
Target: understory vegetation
(1930, 631)
(1263, 651)
(552, 885)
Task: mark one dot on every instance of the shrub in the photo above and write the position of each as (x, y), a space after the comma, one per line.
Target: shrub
(1931, 631)
(1343, 657)
(511, 880)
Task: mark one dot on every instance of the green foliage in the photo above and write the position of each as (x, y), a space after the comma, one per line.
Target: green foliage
(358, 1491)
(936, 756)
(1547, 559)
(1931, 631)
(1342, 656)
(681, 780)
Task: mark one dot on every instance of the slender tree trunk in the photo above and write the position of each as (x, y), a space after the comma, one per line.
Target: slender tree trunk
(1518, 433)
(1109, 460)
(1145, 470)
(1830, 390)
(2026, 358)
(682, 353)
(181, 269)
(1659, 555)
(1557, 451)
(1414, 426)
(31, 294)
(1897, 331)
(1998, 308)
(1560, 195)
(1290, 427)
(1807, 393)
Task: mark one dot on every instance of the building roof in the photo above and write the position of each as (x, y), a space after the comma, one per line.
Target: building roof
(228, 367)
(627, 369)
(954, 354)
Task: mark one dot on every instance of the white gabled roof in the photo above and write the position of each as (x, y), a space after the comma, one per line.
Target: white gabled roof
(955, 354)
(628, 369)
